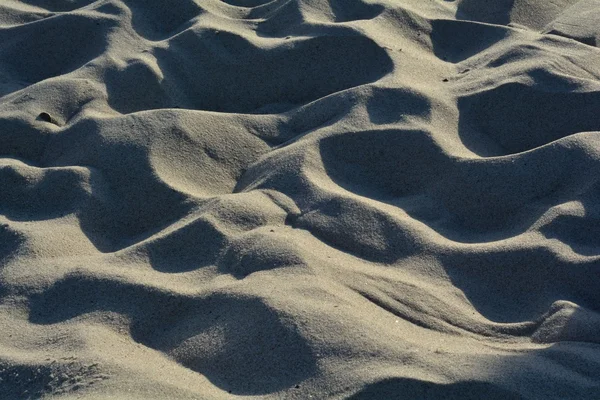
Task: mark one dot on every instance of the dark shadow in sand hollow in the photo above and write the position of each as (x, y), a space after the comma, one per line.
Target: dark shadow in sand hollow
(472, 201)
(409, 389)
(525, 375)
(505, 118)
(227, 73)
(456, 41)
(491, 12)
(239, 343)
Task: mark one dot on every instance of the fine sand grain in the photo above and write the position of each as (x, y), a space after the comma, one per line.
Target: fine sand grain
(295, 199)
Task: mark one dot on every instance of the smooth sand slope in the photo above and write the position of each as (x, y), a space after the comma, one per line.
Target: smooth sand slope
(295, 199)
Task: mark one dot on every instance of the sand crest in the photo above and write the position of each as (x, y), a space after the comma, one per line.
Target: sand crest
(326, 199)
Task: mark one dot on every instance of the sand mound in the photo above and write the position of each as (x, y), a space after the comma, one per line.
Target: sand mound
(363, 199)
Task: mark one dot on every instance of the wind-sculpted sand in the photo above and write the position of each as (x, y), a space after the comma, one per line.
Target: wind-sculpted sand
(295, 199)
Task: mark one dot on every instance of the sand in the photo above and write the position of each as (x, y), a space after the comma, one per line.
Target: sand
(295, 199)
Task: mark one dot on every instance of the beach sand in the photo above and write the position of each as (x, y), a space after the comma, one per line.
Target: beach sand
(296, 199)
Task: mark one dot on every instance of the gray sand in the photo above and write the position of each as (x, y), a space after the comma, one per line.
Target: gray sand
(295, 199)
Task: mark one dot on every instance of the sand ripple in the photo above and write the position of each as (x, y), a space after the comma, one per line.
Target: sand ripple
(299, 198)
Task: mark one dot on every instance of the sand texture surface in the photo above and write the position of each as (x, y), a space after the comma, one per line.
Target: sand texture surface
(296, 199)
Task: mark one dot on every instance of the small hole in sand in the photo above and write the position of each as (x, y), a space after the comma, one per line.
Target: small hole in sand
(44, 116)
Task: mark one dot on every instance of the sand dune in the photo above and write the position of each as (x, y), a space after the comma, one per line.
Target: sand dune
(363, 199)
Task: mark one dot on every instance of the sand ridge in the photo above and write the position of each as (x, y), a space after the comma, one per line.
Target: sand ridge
(364, 199)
